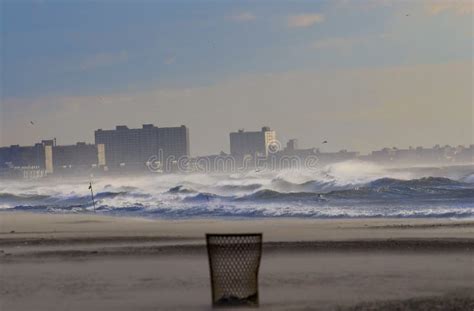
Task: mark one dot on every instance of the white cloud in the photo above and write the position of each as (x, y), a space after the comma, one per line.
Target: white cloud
(103, 60)
(243, 17)
(460, 7)
(304, 20)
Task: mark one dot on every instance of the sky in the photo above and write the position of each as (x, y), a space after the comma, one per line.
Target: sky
(362, 74)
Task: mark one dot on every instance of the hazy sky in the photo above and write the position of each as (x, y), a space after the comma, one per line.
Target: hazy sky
(361, 74)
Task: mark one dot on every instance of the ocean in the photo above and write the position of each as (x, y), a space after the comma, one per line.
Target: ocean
(351, 189)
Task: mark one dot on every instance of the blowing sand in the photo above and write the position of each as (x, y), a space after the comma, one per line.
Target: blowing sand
(89, 262)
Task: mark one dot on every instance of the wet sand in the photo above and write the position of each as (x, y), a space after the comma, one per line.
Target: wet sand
(88, 262)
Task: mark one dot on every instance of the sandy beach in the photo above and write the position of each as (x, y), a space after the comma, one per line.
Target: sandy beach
(90, 262)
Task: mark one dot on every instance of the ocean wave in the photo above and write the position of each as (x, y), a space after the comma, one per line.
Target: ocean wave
(469, 178)
(425, 182)
(270, 195)
(238, 188)
(201, 197)
(180, 189)
(22, 197)
(349, 189)
(267, 211)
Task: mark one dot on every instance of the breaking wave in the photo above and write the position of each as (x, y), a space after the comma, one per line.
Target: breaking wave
(343, 190)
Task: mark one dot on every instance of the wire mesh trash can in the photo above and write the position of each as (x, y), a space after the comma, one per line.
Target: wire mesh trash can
(234, 261)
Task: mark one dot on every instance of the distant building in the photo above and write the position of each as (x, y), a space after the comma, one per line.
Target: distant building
(421, 155)
(339, 156)
(244, 143)
(23, 156)
(384, 155)
(74, 158)
(292, 150)
(222, 162)
(133, 148)
(26, 161)
(292, 144)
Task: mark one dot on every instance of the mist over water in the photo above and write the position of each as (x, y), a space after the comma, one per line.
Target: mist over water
(347, 190)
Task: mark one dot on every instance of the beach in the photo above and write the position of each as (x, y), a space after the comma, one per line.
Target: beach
(93, 262)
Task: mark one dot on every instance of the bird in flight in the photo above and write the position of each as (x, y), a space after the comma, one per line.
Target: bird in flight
(325, 142)
(32, 123)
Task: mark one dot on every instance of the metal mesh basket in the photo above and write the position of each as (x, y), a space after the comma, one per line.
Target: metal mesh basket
(234, 260)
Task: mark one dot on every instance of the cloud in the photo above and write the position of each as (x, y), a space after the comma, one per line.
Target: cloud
(243, 17)
(103, 60)
(304, 20)
(460, 7)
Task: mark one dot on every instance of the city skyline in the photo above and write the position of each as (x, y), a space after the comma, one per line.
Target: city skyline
(152, 149)
(361, 74)
(258, 137)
